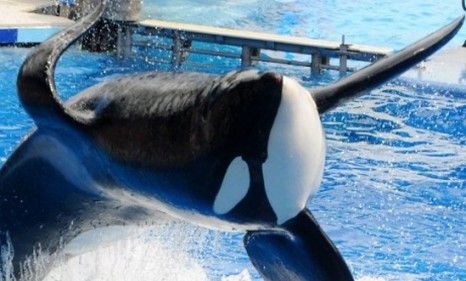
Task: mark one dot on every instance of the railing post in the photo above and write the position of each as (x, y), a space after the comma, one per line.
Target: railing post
(177, 53)
(124, 42)
(255, 55)
(180, 50)
(246, 57)
(316, 61)
(343, 57)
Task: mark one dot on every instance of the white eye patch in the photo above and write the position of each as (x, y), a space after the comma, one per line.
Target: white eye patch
(234, 187)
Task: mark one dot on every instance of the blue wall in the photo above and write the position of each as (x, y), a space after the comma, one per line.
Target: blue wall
(8, 35)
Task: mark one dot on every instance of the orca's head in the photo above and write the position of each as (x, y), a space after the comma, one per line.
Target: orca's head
(281, 148)
(287, 138)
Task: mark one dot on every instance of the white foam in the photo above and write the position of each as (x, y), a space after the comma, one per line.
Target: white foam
(155, 253)
(130, 260)
(370, 278)
(6, 258)
(169, 251)
(173, 251)
(242, 276)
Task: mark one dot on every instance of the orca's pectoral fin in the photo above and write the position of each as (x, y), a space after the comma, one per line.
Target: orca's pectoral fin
(331, 96)
(302, 251)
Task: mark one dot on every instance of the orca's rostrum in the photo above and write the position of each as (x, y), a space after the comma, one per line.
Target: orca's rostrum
(243, 151)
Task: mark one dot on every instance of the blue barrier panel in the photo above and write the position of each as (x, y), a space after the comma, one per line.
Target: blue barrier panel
(35, 35)
(8, 35)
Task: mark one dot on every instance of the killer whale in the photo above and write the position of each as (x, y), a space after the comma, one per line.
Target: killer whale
(201, 147)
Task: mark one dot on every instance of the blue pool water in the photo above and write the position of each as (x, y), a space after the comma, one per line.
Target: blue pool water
(393, 197)
(374, 22)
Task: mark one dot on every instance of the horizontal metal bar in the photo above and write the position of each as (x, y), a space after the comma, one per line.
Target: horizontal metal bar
(351, 55)
(336, 67)
(199, 64)
(283, 61)
(213, 53)
(159, 61)
(155, 46)
(238, 56)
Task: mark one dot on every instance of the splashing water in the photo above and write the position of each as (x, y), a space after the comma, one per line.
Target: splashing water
(140, 257)
(169, 252)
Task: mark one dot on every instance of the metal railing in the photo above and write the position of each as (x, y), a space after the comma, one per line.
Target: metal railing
(252, 43)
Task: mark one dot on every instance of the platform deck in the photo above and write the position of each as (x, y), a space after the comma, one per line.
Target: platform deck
(18, 14)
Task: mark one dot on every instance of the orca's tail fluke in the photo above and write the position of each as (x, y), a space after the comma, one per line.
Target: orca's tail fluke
(36, 85)
(301, 252)
(330, 96)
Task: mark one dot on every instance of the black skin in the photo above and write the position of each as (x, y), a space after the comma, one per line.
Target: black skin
(180, 130)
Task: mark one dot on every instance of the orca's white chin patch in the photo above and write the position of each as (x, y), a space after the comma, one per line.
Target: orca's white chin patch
(296, 152)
